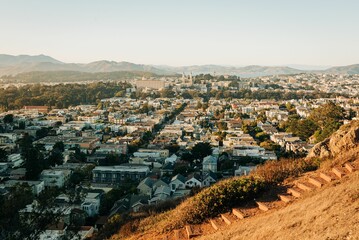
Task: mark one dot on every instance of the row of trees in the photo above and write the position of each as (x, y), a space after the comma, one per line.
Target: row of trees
(59, 96)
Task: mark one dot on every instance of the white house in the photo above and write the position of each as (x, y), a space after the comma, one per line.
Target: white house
(36, 186)
(91, 204)
(15, 160)
(193, 180)
(172, 159)
(209, 164)
(53, 178)
(178, 182)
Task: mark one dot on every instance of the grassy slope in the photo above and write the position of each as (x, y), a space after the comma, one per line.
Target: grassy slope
(331, 213)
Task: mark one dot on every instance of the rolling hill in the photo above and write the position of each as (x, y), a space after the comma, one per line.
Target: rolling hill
(12, 65)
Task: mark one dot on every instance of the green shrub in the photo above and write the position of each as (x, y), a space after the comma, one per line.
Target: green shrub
(221, 197)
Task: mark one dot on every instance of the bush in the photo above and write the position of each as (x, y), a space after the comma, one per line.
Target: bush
(219, 198)
(274, 171)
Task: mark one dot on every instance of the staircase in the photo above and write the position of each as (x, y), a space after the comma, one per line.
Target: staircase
(288, 195)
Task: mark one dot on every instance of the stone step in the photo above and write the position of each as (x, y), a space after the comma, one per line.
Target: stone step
(325, 177)
(236, 212)
(349, 167)
(284, 198)
(338, 172)
(190, 231)
(215, 224)
(294, 192)
(304, 187)
(315, 182)
(262, 206)
(228, 218)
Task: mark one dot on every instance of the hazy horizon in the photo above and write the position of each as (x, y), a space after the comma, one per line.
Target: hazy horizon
(234, 33)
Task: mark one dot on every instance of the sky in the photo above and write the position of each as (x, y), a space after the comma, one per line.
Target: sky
(184, 32)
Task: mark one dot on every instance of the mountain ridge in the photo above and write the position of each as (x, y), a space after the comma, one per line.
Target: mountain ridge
(12, 65)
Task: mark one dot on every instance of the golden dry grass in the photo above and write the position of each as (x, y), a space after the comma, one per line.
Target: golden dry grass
(331, 213)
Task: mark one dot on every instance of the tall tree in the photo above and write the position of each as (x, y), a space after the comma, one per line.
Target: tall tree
(201, 150)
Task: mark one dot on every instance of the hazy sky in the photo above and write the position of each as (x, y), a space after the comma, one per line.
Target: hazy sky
(184, 32)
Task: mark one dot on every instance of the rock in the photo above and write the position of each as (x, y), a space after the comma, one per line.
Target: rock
(346, 138)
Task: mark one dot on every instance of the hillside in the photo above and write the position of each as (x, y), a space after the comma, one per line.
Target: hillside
(12, 65)
(319, 204)
(351, 69)
(248, 71)
(330, 213)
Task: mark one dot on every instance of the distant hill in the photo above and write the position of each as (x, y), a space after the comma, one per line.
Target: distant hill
(12, 65)
(350, 69)
(248, 71)
(9, 60)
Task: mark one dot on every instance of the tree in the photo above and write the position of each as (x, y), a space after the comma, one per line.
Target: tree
(113, 159)
(3, 155)
(34, 163)
(9, 118)
(59, 146)
(56, 158)
(270, 145)
(261, 136)
(328, 118)
(201, 150)
(25, 142)
(329, 112)
(172, 148)
(19, 196)
(167, 93)
(304, 128)
(110, 198)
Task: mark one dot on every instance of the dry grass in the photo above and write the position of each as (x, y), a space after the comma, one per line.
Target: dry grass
(277, 171)
(331, 213)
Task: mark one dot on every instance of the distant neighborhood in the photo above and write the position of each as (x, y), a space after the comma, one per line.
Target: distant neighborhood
(160, 140)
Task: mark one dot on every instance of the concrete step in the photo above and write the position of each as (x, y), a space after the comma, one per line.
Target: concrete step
(315, 182)
(228, 218)
(190, 231)
(338, 172)
(349, 167)
(284, 198)
(304, 186)
(294, 192)
(215, 224)
(262, 206)
(325, 177)
(236, 212)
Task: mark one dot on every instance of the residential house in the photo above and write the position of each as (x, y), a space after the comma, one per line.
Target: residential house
(209, 164)
(162, 193)
(193, 180)
(55, 178)
(119, 173)
(91, 204)
(36, 186)
(209, 179)
(178, 182)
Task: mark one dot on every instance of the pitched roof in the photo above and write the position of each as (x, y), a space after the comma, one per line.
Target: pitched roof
(147, 181)
(179, 177)
(210, 174)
